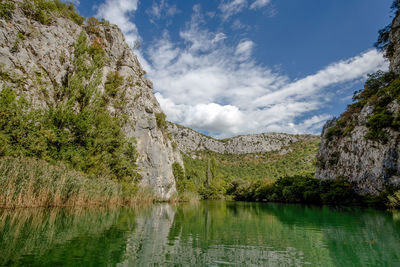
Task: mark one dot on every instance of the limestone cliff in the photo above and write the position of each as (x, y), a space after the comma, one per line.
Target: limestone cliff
(189, 140)
(363, 144)
(37, 58)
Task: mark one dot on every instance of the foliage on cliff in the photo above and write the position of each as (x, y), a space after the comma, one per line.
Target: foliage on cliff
(45, 11)
(380, 90)
(76, 128)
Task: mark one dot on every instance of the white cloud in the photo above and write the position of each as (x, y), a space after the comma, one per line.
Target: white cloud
(259, 4)
(229, 8)
(198, 85)
(205, 83)
(340, 72)
(162, 9)
(219, 37)
(244, 50)
(233, 7)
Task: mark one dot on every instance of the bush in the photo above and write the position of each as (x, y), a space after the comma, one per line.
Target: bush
(179, 176)
(394, 200)
(6, 10)
(113, 83)
(377, 122)
(334, 131)
(296, 189)
(92, 25)
(161, 121)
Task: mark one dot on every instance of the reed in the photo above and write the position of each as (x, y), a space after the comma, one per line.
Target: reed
(27, 182)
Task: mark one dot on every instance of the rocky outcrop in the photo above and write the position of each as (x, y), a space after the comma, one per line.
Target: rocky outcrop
(37, 59)
(370, 165)
(189, 140)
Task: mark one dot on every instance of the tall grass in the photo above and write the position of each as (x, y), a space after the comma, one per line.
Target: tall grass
(26, 182)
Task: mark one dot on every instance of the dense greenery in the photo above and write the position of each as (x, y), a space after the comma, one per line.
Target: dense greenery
(380, 90)
(76, 128)
(6, 9)
(211, 174)
(44, 11)
(303, 189)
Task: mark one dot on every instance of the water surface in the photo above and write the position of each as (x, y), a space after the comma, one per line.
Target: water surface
(209, 233)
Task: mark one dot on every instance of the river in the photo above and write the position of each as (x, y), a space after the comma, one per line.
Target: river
(208, 233)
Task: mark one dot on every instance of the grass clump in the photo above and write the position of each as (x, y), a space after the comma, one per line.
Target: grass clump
(27, 182)
(6, 9)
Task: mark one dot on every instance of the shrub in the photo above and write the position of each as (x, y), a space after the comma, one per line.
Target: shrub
(92, 25)
(334, 131)
(161, 121)
(296, 189)
(113, 83)
(179, 176)
(6, 10)
(394, 200)
(380, 119)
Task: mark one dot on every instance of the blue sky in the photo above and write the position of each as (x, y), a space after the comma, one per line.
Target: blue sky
(229, 67)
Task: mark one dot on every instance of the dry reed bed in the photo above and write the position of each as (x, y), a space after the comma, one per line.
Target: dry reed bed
(26, 182)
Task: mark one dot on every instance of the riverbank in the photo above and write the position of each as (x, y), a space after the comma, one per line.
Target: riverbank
(29, 182)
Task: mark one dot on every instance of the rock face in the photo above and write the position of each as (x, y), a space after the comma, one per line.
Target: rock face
(189, 140)
(370, 165)
(37, 58)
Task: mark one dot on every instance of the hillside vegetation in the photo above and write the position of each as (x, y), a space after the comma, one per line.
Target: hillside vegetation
(212, 175)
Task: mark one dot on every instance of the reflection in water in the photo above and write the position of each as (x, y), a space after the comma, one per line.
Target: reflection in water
(214, 233)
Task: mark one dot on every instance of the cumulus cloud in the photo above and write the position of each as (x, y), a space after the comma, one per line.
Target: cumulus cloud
(211, 85)
(201, 83)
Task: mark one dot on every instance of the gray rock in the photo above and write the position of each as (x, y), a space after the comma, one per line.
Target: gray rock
(369, 165)
(189, 140)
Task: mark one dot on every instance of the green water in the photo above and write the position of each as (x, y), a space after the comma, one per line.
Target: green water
(204, 234)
